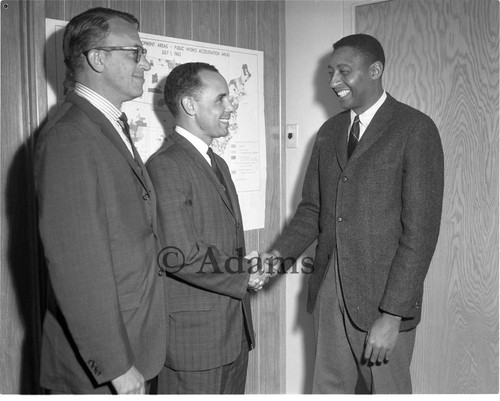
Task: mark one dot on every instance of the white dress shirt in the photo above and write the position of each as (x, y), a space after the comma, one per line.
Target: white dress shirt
(106, 108)
(366, 117)
(201, 146)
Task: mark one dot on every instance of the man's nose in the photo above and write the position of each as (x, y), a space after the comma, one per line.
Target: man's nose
(334, 80)
(144, 63)
(229, 106)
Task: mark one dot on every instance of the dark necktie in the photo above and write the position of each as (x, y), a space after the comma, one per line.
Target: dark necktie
(216, 169)
(353, 136)
(123, 121)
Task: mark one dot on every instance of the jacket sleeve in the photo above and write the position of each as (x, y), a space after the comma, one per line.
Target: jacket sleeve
(73, 229)
(422, 196)
(188, 254)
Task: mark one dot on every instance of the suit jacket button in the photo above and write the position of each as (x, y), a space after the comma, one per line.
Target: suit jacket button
(339, 218)
(344, 178)
(145, 197)
(160, 272)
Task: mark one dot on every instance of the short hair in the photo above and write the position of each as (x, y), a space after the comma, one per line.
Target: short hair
(182, 81)
(86, 31)
(367, 45)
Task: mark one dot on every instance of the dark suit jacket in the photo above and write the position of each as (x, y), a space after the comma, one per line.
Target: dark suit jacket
(380, 211)
(207, 304)
(97, 220)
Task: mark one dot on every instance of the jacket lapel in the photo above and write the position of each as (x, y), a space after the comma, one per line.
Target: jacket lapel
(110, 132)
(378, 126)
(340, 139)
(231, 189)
(233, 205)
(203, 165)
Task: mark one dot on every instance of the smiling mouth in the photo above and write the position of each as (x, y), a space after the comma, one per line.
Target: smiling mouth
(343, 93)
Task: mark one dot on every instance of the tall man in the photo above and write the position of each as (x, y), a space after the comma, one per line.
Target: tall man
(372, 198)
(104, 328)
(207, 306)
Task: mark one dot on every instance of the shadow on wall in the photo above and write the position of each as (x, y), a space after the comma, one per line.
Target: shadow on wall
(22, 260)
(326, 99)
(304, 323)
(325, 96)
(26, 268)
(25, 260)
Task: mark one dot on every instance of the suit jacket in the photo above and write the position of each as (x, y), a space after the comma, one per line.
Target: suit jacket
(207, 305)
(378, 212)
(97, 220)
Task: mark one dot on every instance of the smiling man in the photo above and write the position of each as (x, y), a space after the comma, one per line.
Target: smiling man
(104, 327)
(372, 198)
(206, 277)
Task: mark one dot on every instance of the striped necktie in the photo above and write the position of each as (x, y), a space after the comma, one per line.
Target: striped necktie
(353, 136)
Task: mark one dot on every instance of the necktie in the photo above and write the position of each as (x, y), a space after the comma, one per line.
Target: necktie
(353, 136)
(123, 121)
(215, 168)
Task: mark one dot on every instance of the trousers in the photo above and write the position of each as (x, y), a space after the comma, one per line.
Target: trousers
(339, 366)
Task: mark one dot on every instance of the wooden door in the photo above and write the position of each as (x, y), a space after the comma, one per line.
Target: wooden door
(442, 58)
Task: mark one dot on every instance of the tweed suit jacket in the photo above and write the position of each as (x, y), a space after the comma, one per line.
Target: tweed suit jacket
(378, 213)
(97, 221)
(207, 303)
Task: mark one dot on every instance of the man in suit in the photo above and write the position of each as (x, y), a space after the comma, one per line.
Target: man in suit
(372, 198)
(207, 305)
(104, 328)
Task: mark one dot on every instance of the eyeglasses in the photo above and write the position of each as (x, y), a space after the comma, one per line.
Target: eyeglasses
(139, 50)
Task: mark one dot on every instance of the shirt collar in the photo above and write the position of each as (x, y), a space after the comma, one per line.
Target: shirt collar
(101, 103)
(366, 117)
(201, 146)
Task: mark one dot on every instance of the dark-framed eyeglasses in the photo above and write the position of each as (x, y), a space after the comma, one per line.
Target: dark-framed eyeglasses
(139, 50)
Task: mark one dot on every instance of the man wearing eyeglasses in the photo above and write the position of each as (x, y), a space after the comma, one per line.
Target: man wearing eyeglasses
(104, 329)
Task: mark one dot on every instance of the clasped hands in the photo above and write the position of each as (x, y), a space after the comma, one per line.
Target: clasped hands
(267, 266)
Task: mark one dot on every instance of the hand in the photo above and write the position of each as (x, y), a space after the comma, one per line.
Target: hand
(131, 382)
(268, 267)
(257, 280)
(382, 338)
(272, 261)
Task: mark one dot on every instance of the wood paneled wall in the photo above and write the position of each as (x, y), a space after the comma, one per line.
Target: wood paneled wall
(19, 276)
(251, 24)
(443, 58)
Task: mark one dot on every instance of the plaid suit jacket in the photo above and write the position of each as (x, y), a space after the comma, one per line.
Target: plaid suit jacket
(207, 305)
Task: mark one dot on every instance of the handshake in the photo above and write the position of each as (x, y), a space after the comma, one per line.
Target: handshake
(269, 263)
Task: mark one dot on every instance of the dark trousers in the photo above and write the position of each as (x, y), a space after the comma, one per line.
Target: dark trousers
(339, 366)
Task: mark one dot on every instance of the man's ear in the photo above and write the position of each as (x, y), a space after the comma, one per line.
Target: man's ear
(376, 70)
(96, 60)
(188, 105)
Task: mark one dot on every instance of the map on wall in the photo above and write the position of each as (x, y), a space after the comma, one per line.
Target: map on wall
(244, 149)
